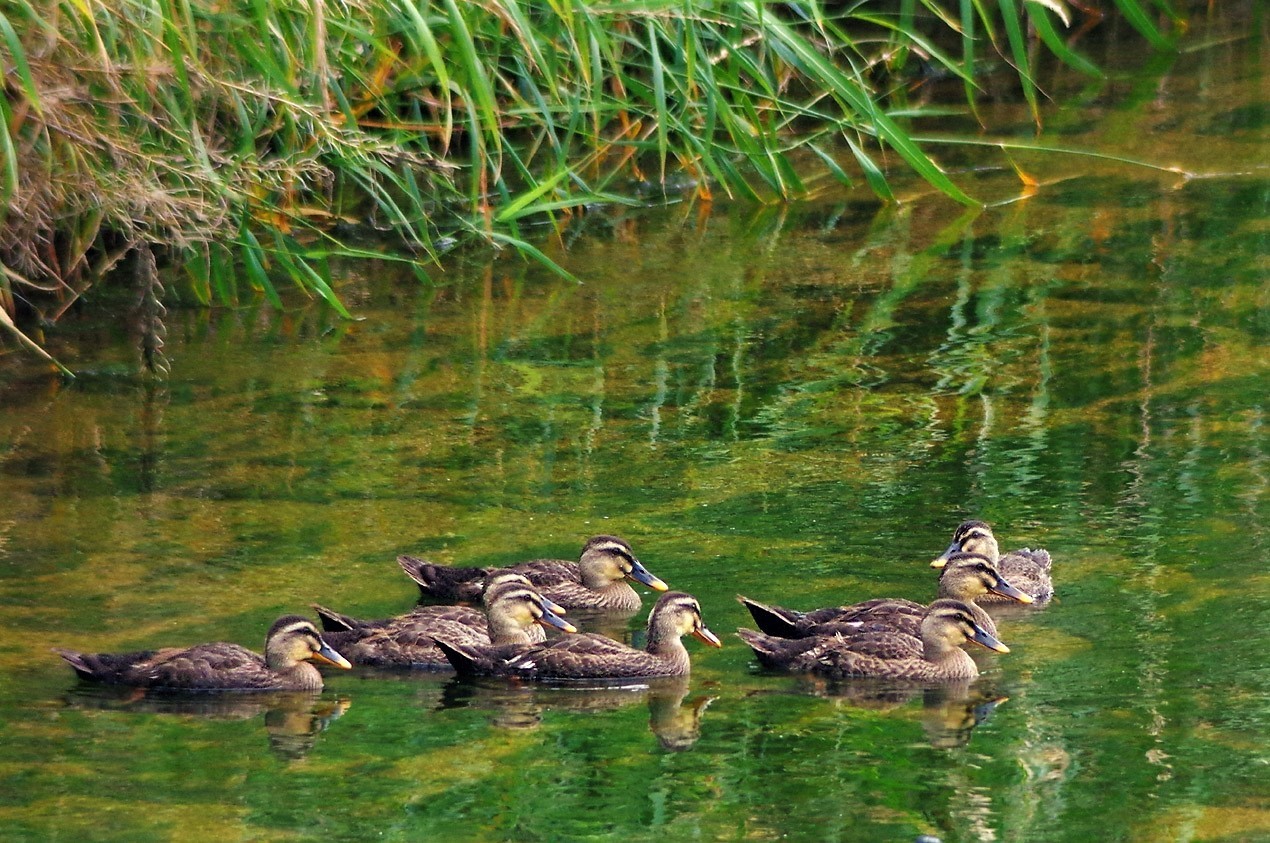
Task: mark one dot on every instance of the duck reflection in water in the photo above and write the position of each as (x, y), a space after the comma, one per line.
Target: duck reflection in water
(293, 719)
(950, 711)
(672, 716)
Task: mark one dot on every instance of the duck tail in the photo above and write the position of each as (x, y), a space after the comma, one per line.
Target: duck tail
(765, 647)
(102, 667)
(773, 620)
(333, 621)
(443, 581)
(464, 661)
(77, 661)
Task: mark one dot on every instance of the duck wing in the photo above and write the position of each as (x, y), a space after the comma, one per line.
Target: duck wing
(406, 645)
(546, 573)
(859, 653)
(206, 667)
(585, 656)
(333, 621)
(849, 661)
(1027, 570)
(787, 623)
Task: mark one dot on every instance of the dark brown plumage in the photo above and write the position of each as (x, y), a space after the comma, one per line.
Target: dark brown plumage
(515, 616)
(1027, 570)
(595, 657)
(883, 653)
(333, 621)
(595, 581)
(291, 644)
(968, 577)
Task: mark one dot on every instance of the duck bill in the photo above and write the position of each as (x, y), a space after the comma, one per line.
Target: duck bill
(942, 560)
(642, 575)
(986, 640)
(326, 655)
(1006, 590)
(705, 636)
(551, 619)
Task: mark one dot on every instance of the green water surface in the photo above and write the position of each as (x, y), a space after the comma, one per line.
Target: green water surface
(796, 404)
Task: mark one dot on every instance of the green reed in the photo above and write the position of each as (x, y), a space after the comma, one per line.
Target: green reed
(248, 141)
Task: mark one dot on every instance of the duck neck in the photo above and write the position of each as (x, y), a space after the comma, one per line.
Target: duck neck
(949, 662)
(939, 650)
(503, 631)
(303, 676)
(617, 595)
(669, 647)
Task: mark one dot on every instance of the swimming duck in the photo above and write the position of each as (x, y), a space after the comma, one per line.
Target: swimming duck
(595, 581)
(292, 643)
(1027, 569)
(513, 609)
(967, 577)
(591, 656)
(883, 653)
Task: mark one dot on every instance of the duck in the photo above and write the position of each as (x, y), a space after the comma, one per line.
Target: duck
(515, 618)
(1027, 568)
(968, 577)
(291, 645)
(882, 653)
(591, 656)
(596, 581)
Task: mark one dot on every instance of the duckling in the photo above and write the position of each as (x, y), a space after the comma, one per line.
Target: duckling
(885, 654)
(967, 577)
(1027, 569)
(595, 581)
(292, 643)
(592, 656)
(513, 608)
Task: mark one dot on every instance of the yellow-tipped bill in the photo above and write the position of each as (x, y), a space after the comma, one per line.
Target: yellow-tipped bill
(1006, 590)
(942, 559)
(326, 655)
(706, 637)
(986, 640)
(642, 575)
(550, 618)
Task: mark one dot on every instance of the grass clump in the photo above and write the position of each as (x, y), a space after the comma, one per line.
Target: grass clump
(234, 139)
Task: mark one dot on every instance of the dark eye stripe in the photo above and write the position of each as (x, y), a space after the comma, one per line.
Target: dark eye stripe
(619, 550)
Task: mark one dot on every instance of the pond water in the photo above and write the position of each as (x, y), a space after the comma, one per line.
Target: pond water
(795, 404)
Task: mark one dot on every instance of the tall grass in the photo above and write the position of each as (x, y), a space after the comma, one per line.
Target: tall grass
(237, 138)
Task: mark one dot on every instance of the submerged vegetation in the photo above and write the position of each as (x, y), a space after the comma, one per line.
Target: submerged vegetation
(248, 142)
